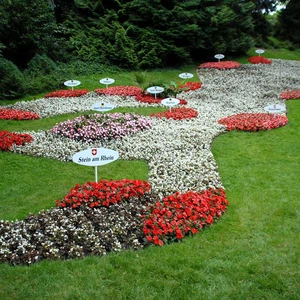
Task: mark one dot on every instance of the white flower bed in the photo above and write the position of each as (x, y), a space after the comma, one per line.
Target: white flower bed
(178, 152)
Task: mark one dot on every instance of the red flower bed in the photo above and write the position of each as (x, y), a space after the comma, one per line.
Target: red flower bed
(66, 93)
(7, 139)
(120, 91)
(222, 65)
(191, 86)
(104, 193)
(253, 121)
(290, 95)
(259, 60)
(152, 100)
(181, 214)
(15, 114)
(180, 113)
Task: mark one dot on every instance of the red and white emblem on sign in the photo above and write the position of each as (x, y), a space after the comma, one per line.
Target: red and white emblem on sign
(94, 151)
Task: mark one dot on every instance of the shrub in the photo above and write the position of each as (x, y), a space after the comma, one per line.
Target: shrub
(12, 80)
(40, 65)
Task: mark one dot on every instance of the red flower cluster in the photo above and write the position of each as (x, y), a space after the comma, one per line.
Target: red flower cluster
(151, 100)
(120, 91)
(181, 214)
(191, 86)
(259, 60)
(180, 113)
(7, 139)
(253, 121)
(15, 114)
(104, 193)
(295, 94)
(66, 93)
(221, 65)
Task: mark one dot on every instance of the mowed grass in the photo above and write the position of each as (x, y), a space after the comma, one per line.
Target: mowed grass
(251, 253)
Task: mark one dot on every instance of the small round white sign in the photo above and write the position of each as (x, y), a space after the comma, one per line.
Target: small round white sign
(186, 75)
(155, 89)
(72, 83)
(102, 106)
(106, 80)
(219, 56)
(275, 108)
(260, 51)
(95, 157)
(170, 101)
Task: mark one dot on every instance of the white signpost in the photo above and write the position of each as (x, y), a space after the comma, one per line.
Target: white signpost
(155, 90)
(260, 51)
(102, 106)
(219, 57)
(95, 157)
(106, 81)
(275, 108)
(170, 102)
(186, 75)
(72, 83)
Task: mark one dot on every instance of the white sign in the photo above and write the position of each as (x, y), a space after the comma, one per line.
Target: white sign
(275, 108)
(170, 101)
(219, 56)
(155, 90)
(260, 51)
(95, 157)
(102, 106)
(72, 83)
(186, 75)
(106, 81)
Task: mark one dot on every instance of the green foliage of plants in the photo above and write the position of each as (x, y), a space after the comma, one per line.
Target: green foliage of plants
(12, 81)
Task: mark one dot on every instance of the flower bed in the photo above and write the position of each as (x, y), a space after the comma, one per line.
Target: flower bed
(259, 60)
(253, 121)
(100, 217)
(221, 65)
(15, 114)
(191, 86)
(120, 91)
(180, 113)
(287, 95)
(179, 215)
(101, 126)
(66, 93)
(104, 193)
(8, 139)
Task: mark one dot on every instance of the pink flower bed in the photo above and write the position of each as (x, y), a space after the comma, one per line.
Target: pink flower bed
(295, 94)
(259, 60)
(253, 121)
(15, 114)
(66, 93)
(222, 65)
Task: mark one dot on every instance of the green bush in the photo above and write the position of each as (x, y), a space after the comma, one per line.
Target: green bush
(40, 65)
(12, 81)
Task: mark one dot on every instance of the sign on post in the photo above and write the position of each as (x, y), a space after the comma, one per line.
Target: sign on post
(102, 106)
(95, 157)
(170, 102)
(72, 83)
(106, 81)
(219, 57)
(275, 108)
(155, 90)
(186, 75)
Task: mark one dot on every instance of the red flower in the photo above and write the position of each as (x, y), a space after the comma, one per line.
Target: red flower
(222, 65)
(295, 94)
(15, 114)
(104, 193)
(259, 60)
(180, 113)
(253, 121)
(120, 91)
(7, 139)
(66, 93)
(191, 86)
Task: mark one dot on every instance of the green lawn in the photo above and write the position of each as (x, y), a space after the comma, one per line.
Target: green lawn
(251, 253)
